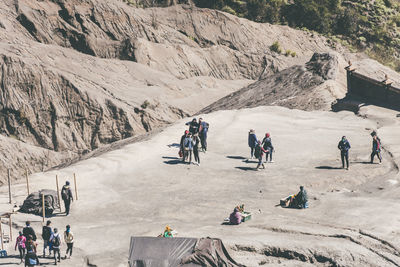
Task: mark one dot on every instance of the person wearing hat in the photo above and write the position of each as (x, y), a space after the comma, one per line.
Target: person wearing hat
(66, 195)
(344, 147)
(267, 145)
(252, 141)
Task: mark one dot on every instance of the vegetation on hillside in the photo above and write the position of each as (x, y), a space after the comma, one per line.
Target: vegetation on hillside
(372, 26)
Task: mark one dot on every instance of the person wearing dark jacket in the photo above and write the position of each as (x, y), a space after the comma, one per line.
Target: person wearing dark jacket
(67, 197)
(28, 231)
(182, 145)
(193, 126)
(196, 144)
(267, 145)
(47, 232)
(259, 154)
(344, 147)
(203, 131)
(301, 199)
(188, 148)
(252, 141)
(376, 149)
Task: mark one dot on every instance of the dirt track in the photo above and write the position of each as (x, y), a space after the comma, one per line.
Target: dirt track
(140, 188)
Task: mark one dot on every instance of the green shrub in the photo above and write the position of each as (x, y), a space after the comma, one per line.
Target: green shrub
(288, 53)
(276, 47)
(229, 10)
(145, 104)
(293, 54)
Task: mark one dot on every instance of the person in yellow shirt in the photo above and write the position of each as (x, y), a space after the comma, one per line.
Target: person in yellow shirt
(69, 240)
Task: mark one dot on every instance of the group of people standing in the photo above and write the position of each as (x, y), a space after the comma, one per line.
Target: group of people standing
(344, 147)
(258, 148)
(27, 246)
(193, 141)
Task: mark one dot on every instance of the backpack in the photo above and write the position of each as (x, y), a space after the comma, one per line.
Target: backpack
(64, 194)
(46, 233)
(56, 241)
(257, 152)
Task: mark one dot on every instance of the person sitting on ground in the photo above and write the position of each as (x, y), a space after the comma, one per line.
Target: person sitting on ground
(28, 231)
(344, 147)
(188, 148)
(196, 145)
(182, 145)
(167, 232)
(259, 153)
(235, 217)
(46, 235)
(56, 241)
(69, 240)
(193, 126)
(267, 145)
(203, 131)
(20, 243)
(252, 141)
(31, 258)
(300, 200)
(376, 148)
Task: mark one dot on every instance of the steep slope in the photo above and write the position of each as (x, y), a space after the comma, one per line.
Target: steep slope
(307, 87)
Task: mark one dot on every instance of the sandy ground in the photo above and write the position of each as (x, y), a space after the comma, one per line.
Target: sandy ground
(138, 189)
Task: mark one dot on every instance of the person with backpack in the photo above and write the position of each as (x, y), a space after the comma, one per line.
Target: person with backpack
(67, 197)
(344, 147)
(188, 148)
(203, 130)
(182, 145)
(69, 240)
(259, 153)
(56, 242)
(31, 259)
(28, 231)
(196, 144)
(252, 141)
(376, 148)
(46, 235)
(193, 126)
(20, 243)
(267, 145)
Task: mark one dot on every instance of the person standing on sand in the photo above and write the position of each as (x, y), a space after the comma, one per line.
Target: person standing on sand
(252, 140)
(267, 145)
(182, 146)
(69, 240)
(203, 130)
(344, 147)
(188, 146)
(196, 144)
(67, 197)
(376, 148)
(28, 231)
(259, 154)
(31, 258)
(20, 243)
(193, 126)
(46, 235)
(56, 241)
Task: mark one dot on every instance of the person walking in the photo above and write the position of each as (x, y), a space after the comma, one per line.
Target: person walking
(31, 258)
(252, 140)
(193, 126)
(188, 146)
(46, 235)
(28, 231)
(259, 154)
(267, 145)
(20, 243)
(56, 242)
(69, 240)
(376, 148)
(196, 144)
(67, 197)
(182, 145)
(203, 131)
(344, 147)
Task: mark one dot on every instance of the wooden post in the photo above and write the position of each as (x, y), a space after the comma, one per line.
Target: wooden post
(43, 207)
(10, 222)
(9, 186)
(1, 234)
(58, 193)
(76, 190)
(27, 180)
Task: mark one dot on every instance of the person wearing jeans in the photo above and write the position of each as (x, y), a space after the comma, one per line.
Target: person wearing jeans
(20, 243)
(69, 240)
(344, 147)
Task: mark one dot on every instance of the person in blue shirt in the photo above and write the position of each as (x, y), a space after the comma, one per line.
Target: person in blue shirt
(344, 147)
(252, 142)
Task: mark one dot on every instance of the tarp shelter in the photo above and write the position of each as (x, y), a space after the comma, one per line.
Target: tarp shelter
(178, 251)
(33, 203)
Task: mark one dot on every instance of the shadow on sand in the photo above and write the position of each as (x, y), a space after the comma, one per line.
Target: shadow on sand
(246, 168)
(236, 157)
(173, 145)
(328, 168)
